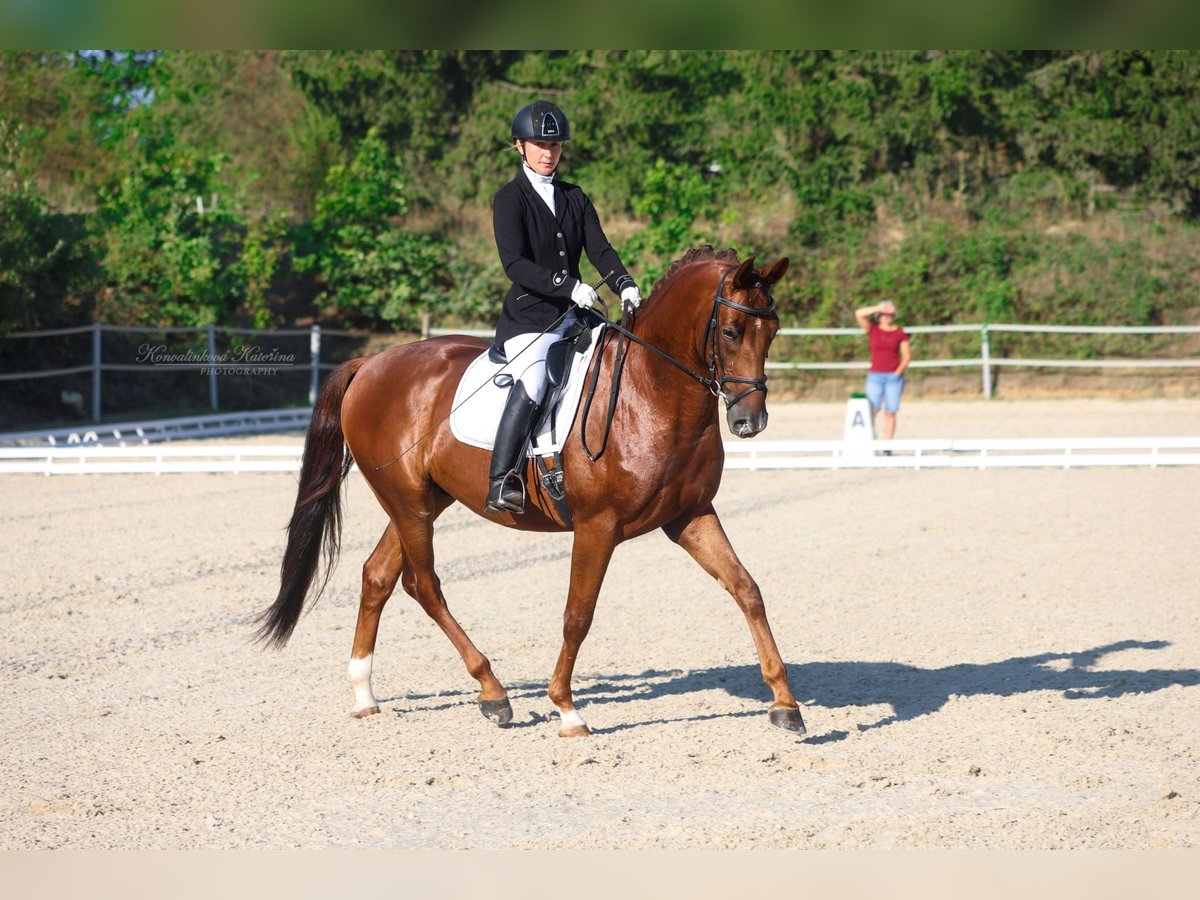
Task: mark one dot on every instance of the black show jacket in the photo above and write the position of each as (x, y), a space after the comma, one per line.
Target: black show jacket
(540, 252)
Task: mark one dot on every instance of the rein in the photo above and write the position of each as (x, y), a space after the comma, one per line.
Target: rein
(714, 382)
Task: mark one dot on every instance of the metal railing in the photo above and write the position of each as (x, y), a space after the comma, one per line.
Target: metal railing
(210, 363)
(986, 361)
(211, 366)
(152, 431)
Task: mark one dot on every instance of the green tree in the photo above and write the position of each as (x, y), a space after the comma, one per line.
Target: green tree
(418, 100)
(246, 108)
(373, 270)
(45, 263)
(671, 200)
(1124, 119)
(168, 253)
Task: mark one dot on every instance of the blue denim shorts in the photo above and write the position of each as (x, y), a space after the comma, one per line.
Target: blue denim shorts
(885, 387)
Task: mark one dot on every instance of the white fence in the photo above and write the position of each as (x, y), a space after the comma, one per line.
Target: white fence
(974, 453)
(149, 460)
(1065, 453)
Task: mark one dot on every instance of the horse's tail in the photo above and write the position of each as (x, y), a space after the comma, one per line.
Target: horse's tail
(317, 518)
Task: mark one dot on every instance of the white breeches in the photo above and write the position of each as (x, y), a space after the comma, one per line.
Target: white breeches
(527, 357)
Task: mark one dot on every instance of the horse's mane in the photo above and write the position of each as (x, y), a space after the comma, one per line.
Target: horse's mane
(696, 254)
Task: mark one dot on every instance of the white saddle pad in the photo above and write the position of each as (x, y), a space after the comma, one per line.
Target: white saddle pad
(478, 402)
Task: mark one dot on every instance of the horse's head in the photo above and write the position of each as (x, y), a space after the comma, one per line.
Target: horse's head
(740, 332)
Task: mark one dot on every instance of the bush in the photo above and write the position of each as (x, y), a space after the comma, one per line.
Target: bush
(373, 270)
(671, 198)
(45, 260)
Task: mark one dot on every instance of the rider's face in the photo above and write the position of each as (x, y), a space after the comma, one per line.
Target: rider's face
(542, 156)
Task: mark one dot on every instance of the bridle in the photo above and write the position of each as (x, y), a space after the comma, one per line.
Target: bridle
(714, 381)
(717, 384)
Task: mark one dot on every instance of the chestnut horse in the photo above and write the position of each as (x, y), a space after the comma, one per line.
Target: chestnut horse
(707, 324)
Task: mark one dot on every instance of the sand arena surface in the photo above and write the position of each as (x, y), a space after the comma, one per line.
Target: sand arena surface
(996, 658)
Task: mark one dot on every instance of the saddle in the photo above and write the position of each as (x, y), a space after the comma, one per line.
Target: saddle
(575, 342)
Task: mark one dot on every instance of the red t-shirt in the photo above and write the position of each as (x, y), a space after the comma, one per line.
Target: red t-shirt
(885, 348)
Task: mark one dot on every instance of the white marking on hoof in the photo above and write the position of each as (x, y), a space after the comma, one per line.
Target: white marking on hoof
(359, 671)
(570, 719)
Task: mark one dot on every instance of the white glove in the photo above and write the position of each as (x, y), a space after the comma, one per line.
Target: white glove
(631, 298)
(584, 295)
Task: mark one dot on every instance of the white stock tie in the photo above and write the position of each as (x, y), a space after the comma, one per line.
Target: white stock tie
(544, 185)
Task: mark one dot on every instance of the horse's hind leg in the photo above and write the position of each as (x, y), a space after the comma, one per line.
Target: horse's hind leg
(703, 537)
(380, 572)
(422, 582)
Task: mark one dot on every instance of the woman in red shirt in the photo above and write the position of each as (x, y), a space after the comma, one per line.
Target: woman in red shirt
(890, 356)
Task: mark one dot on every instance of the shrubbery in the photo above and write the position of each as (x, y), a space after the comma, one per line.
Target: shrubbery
(354, 187)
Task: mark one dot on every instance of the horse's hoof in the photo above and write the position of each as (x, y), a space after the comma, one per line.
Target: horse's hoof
(575, 731)
(498, 711)
(363, 713)
(787, 718)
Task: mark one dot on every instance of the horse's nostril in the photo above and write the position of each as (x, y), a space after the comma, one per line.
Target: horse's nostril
(748, 426)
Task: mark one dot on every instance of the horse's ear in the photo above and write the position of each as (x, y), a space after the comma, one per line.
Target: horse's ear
(745, 276)
(772, 274)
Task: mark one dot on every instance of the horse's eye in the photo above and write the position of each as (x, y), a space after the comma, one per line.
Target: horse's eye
(729, 333)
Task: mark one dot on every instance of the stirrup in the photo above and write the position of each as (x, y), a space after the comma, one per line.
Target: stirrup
(506, 499)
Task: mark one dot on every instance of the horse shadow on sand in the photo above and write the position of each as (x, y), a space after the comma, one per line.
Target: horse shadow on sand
(910, 691)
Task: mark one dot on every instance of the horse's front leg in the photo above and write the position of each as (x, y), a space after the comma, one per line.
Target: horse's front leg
(703, 537)
(590, 555)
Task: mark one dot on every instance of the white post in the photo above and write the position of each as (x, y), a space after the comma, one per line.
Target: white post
(426, 324)
(314, 349)
(212, 372)
(987, 368)
(95, 371)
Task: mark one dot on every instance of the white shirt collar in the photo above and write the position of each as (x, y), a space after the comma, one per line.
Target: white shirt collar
(535, 179)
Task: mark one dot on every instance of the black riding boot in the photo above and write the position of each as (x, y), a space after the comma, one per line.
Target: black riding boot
(506, 490)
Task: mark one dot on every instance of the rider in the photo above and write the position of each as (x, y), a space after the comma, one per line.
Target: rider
(542, 225)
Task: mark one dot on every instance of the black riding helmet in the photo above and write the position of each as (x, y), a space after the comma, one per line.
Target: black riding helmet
(541, 120)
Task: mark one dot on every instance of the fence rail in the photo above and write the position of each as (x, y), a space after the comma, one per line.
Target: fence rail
(986, 361)
(210, 367)
(972, 453)
(985, 453)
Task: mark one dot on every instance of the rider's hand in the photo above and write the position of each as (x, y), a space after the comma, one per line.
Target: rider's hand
(584, 295)
(631, 298)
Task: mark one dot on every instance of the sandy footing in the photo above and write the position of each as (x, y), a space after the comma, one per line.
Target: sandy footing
(1000, 658)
